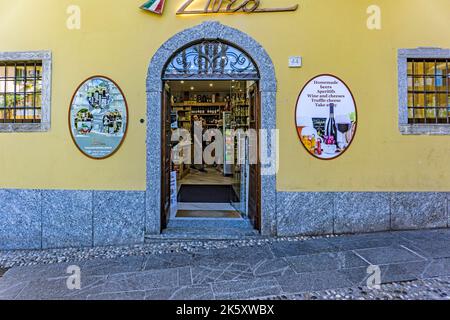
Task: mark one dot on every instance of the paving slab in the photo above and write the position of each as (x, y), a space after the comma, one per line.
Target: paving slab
(365, 241)
(123, 296)
(219, 273)
(425, 235)
(169, 260)
(57, 289)
(313, 281)
(147, 280)
(9, 291)
(326, 261)
(37, 272)
(196, 292)
(250, 289)
(399, 272)
(251, 255)
(298, 248)
(112, 266)
(432, 249)
(389, 255)
(437, 268)
(245, 255)
(240, 271)
(95, 267)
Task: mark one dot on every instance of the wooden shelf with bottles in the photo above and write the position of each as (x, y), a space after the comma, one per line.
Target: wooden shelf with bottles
(199, 104)
(184, 117)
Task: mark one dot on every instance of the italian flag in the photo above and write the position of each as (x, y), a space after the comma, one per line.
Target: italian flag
(156, 6)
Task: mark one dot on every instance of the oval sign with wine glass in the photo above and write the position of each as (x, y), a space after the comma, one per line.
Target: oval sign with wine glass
(98, 117)
(326, 117)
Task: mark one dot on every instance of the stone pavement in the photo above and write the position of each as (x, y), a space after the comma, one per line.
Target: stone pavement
(276, 269)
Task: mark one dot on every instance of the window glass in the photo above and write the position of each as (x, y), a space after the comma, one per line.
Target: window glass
(419, 100)
(430, 68)
(410, 84)
(410, 68)
(428, 91)
(430, 100)
(442, 114)
(418, 68)
(10, 72)
(410, 100)
(430, 84)
(419, 84)
(20, 91)
(442, 100)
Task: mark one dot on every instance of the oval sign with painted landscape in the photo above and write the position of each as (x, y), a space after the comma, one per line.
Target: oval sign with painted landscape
(326, 117)
(98, 117)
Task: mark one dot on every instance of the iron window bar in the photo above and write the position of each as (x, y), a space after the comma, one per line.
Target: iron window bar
(428, 82)
(18, 104)
(212, 60)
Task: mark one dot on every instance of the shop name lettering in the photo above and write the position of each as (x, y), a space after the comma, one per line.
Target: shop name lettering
(230, 6)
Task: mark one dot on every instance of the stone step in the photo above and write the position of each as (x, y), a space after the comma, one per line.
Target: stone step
(218, 224)
(204, 233)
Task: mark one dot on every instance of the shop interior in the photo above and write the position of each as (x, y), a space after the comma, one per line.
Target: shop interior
(218, 190)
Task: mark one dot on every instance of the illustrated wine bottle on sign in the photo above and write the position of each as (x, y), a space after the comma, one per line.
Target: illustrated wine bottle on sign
(331, 130)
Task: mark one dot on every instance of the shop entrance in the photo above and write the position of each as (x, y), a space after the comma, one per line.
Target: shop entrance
(210, 141)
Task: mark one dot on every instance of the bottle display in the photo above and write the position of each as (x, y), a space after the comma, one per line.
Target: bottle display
(331, 129)
(235, 101)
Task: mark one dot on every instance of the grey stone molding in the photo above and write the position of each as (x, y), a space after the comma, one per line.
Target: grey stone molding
(210, 30)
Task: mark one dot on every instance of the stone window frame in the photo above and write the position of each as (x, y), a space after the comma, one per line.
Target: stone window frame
(403, 56)
(46, 58)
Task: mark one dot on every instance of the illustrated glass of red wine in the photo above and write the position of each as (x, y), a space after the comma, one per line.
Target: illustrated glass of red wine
(343, 124)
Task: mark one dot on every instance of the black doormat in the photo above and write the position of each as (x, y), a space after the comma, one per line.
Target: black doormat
(207, 194)
(208, 214)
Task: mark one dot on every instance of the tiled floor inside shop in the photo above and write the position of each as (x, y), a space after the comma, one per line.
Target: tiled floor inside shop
(211, 177)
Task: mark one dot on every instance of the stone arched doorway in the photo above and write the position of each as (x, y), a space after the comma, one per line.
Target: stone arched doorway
(267, 85)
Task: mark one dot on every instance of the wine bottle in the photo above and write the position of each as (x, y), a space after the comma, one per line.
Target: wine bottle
(331, 131)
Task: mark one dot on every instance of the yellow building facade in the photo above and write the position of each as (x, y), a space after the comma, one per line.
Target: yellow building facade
(357, 41)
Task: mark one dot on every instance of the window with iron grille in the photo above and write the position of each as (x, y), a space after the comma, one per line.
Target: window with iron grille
(20, 91)
(212, 60)
(424, 91)
(428, 91)
(25, 90)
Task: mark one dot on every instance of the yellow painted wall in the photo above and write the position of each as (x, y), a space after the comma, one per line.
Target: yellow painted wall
(118, 40)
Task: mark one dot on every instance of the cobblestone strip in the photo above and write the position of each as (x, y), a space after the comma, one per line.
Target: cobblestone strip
(9, 259)
(429, 289)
